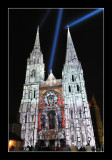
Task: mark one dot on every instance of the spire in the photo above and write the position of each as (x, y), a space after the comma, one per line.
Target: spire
(51, 76)
(37, 41)
(71, 56)
(36, 55)
(50, 70)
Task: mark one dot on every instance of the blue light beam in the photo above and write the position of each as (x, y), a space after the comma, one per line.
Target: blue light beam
(45, 17)
(83, 18)
(55, 38)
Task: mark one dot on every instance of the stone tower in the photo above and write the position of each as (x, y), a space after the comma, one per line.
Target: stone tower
(55, 110)
(29, 103)
(78, 123)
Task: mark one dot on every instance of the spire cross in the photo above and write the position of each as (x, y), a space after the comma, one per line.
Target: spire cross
(67, 26)
(71, 57)
(50, 70)
(37, 41)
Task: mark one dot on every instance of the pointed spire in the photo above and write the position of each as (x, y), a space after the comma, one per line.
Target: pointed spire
(51, 76)
(50, 70)
(37, 41)
(71, 56)
(36, 55)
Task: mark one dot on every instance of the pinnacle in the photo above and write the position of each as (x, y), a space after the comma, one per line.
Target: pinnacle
(37, 41)
(71, 56)
(51, 76)
(50, 70)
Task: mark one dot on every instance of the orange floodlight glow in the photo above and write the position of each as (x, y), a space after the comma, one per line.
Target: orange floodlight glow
(10, 142)
(89, 104)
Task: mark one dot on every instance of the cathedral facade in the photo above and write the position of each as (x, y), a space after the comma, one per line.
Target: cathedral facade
(55, 110)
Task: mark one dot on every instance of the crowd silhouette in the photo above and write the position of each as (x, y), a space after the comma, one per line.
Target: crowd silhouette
(64, 147)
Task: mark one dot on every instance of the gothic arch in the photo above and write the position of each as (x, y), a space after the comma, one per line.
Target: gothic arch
(77, 87)
(72, 78)
(69, 88)
(33, 73)
(71, 114)
(26, 118)
(34, 93)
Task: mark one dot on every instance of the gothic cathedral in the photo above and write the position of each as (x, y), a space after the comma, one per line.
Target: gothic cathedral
(56, 110)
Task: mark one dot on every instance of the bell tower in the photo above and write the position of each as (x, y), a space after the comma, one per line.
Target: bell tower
(35, 65)
(29, 104)
(78, 123)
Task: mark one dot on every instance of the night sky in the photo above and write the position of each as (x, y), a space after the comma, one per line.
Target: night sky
(87, 37)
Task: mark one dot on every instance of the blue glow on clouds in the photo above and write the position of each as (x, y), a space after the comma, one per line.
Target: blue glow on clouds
(84, 18)
(55, 38)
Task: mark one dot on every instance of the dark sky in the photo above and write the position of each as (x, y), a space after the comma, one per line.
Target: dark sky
(87, 37)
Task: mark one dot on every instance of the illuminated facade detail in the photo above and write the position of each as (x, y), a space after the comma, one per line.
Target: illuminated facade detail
(30, 99)
(78, 123)
(51, 120)
(55, 109)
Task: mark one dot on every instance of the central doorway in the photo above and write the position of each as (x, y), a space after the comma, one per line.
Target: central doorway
(52, 143)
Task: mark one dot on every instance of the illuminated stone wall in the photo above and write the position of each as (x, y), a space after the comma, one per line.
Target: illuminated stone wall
(78, 123)
(69, 101)
(29, 104)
